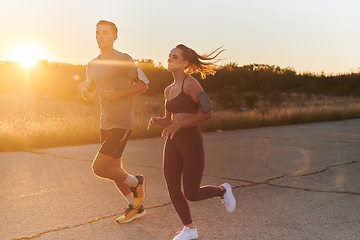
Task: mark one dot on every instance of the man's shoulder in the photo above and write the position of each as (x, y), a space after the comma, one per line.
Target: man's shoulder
(92, 61)
(122, 55)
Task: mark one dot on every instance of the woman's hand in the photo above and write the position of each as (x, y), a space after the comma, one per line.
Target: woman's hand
(153, 121)
(170, 130)
(162, 122)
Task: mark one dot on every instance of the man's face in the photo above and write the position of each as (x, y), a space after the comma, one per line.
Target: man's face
(104, 36)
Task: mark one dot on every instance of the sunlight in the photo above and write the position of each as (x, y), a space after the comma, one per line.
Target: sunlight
(27, 54)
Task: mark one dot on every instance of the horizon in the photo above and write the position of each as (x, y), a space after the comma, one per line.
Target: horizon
(357, 71)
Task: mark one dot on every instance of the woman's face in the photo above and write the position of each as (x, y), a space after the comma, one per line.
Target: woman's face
(176, 61)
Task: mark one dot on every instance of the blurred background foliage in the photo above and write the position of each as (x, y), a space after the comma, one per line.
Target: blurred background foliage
(230, 83)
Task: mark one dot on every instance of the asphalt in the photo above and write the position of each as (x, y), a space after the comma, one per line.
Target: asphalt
(290, 182)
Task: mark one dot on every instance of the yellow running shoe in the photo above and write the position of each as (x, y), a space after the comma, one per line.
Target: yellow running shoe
(139, 190)
(131, 213)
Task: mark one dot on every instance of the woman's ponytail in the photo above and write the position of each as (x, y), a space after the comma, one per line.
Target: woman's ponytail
(203, 64)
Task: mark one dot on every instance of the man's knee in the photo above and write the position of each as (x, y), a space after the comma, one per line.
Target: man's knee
(101, 164)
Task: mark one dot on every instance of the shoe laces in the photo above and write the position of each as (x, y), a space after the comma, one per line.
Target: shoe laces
(140, 192)
(127, 211)
(182, 230)
(185, 230)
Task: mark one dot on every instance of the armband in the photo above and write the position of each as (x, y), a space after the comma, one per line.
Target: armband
(141, 76)
(204, 102)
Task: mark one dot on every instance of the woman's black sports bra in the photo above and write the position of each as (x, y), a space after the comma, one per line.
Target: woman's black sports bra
(182, 103)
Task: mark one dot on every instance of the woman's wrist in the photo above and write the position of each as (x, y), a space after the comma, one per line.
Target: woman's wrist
(177, 122)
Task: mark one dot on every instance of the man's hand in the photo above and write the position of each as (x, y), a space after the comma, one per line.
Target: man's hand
(111, 94)
(87, 90)
(83, 87)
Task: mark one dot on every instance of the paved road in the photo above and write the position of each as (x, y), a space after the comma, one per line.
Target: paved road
(290, 182)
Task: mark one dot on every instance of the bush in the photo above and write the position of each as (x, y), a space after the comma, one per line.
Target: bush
(228, 98)
(276, 98)
(251, 99)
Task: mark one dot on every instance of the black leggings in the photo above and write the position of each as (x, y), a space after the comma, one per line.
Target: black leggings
(184, 157)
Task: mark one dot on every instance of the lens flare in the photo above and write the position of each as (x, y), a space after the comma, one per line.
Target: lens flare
(262, 148)
(339, 180)
(304, 163)
(76, 77)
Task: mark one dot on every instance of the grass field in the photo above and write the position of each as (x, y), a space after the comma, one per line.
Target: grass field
(27, 124)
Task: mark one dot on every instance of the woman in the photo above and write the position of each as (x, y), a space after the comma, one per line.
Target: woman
(184, 151)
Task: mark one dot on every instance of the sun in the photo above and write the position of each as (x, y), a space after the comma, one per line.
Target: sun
(27, 54)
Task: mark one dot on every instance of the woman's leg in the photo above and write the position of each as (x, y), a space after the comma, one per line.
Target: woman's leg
(193, 167)
(172, 168)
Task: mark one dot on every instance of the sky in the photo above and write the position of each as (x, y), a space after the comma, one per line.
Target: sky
(307, 35)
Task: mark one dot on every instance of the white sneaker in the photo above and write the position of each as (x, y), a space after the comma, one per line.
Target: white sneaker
(187, 234)
(228, 199)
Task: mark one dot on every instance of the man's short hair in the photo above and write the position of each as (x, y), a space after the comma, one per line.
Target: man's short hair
(111, 24)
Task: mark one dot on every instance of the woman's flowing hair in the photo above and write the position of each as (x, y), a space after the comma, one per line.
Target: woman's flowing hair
(205, 64)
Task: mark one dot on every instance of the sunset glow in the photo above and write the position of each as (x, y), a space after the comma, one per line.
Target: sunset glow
(27, 54)
(315, 36)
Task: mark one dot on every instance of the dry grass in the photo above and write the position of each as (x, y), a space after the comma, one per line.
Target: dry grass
(295, 109)
(229, 120)
(27, 124)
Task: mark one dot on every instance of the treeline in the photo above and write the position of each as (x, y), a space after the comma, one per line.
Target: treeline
(60, 80)
(43, 80)
(265, 79)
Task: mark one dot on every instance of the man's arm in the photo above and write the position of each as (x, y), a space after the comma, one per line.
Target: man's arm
(135, 89)
(87, 90)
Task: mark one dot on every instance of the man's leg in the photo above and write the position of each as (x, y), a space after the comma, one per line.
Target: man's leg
(107, 164)
(102, 168)
(123, 187)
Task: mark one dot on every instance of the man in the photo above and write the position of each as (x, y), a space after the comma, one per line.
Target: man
(113, 75)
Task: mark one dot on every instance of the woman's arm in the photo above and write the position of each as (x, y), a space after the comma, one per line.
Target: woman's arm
(161, 121)
(194, 120)
(192, 88)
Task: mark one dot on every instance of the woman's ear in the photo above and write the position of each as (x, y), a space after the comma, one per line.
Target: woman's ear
(186, 64)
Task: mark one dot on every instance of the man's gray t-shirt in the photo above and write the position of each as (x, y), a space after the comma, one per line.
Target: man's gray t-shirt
(116, 71)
